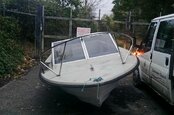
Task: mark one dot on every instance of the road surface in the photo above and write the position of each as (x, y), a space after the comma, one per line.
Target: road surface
(29, 95)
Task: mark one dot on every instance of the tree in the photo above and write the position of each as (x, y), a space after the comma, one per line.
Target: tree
(59, 8)
(109, 22)
(122, 7)
(142, 9)
(159, 8)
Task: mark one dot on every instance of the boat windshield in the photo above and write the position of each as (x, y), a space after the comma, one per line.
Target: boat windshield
(73, 51)
(94, 45)
(99, 45)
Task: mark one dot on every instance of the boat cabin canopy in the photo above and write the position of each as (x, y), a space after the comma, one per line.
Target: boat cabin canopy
(85, 47)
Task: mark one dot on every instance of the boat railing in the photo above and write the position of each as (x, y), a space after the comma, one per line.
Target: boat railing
(129, 49)
(50, 66)
(45, 66)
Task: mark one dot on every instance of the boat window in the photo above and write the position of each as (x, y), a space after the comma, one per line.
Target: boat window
(73, 51)
(100, 44)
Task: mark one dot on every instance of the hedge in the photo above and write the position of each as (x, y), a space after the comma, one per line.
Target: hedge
(11, 53)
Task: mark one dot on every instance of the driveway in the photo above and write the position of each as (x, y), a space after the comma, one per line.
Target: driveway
(29, 95)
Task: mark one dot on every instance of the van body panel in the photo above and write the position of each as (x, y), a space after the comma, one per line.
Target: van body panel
(145, 66)
(156, 64)
(159, 72)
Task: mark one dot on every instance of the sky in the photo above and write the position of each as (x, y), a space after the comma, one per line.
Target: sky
(106, 7)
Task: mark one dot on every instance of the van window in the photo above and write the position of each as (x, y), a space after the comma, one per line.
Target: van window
(147, 42)
(165, 36)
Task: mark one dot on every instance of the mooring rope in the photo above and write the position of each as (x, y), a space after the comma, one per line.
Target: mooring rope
(82, 90)
(98, 85)
(98, 90)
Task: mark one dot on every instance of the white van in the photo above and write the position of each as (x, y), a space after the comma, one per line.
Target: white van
(157, 58)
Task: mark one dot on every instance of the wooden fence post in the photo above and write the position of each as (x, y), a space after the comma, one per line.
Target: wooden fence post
(70, 23)
(39, 30)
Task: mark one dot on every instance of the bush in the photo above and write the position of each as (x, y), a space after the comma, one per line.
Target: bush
(11, 53)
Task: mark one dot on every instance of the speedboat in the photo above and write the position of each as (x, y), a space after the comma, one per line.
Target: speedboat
(88, 66)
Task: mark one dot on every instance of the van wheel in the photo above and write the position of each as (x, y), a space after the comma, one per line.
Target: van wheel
(136, 78)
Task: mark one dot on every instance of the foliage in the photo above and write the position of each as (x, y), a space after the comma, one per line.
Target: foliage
(21, 5)
(142, 9)
(60, 8)
(109, 22)
(26, 22)
(10, 52)
(10, 27)
(12, 31)
(163, 7)
(122, 7)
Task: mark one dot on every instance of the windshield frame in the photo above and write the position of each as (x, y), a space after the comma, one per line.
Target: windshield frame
(84, 48)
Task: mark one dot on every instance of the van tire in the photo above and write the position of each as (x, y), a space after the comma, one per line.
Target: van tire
(136, 79)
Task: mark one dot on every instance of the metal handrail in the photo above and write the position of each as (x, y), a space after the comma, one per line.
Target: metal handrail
(65, 44)
(57, 74)
(49, 68)
(62, 58)
(130, 48)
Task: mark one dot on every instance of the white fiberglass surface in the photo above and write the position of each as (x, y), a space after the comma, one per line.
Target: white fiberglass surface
(107, 67)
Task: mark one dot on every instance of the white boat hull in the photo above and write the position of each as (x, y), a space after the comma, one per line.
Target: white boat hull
(92, 75)
(94, 95)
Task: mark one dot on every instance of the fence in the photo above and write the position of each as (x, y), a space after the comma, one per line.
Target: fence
(56, 28)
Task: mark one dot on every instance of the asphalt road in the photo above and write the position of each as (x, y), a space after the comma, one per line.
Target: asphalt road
(29, 95)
